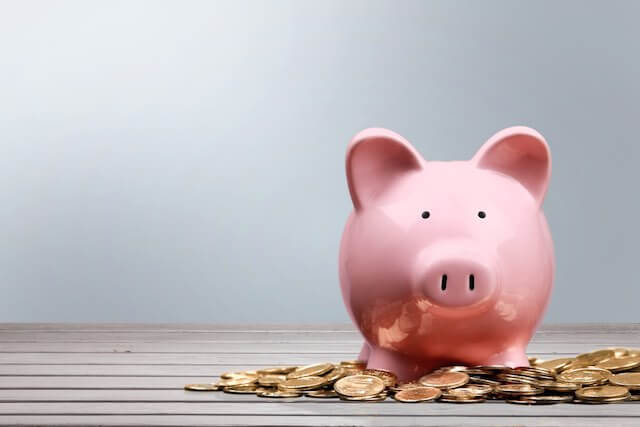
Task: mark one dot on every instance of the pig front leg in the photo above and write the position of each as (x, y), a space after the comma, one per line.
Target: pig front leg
(405, 368)
(512, 357)
(364, 353)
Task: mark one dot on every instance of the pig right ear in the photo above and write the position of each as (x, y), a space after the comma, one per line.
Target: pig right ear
(377, 159)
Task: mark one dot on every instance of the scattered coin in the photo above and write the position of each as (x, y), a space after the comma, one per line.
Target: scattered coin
(322, 394)
(359, 386)
(202, 387)
(388, 378)
(469, 391)
(518, 389)
(444, 379)
(595, 357)
(555, 365)
(335, 375)
(304, 383)
(279, 394)
(241, 389)
(631, 380)
(619, 364)
(602, 376)
(418, 394)
(311, 370)
(585, 376)
(558, 386)
(236, 381)
(472, 400)
(375, 398)
(271, 379)
(276, 370)
(602, 393)
(547, 399)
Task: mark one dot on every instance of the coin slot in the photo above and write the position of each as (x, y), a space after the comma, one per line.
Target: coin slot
(443, 284)
(472, 282)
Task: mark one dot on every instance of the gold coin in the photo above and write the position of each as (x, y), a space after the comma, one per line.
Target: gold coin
(518, 389)
(456, 368)
(444, 379)
(486, 381)
(304, 383)
(517, 379)
(634, 397)
(555, 365)
(375, 398)
(418, 394)
(322, 394)
(276, 370)
(359, 386)
(602, 392)
(595, 357)
(533, 372)
(622, 363)
(631, 380)
(279, 394)
(405, 386)
(240, 389)
(241, 374)
(237, 380)
(271, 379)
(533, 361)
(334, 375)
(388, 378)
(547, 399)
(470, 391)
(558, 386)
(619, 351)
(311, 370)
(355, 364)
(202, 387)
(585, 376)
(608, 400)
(474, 400)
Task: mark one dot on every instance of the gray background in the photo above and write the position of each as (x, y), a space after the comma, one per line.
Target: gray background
(183, 161)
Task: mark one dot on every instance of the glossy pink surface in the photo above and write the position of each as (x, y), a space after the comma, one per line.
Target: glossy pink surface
(465, 283)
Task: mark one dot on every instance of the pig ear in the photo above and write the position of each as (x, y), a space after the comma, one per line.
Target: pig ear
(377, 159)
(521, 153)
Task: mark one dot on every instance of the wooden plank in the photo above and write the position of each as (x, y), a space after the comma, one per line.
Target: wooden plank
(260, 359)
(187, 420)
(154, 383)
(235, 347)
(163, 327)
(98, 327)
(120, 370)
(625, 338)
(309, 408)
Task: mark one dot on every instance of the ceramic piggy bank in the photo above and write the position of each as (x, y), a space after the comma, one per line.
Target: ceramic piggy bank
(446, 262)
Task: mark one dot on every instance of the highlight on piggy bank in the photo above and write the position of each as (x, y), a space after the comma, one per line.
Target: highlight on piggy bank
(450, 262)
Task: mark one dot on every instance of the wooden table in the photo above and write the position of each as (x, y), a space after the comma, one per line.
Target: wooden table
(116, 374)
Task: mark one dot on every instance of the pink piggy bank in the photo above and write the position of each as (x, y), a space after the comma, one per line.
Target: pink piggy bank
(446, 262)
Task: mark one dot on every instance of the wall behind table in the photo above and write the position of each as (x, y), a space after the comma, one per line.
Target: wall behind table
(183, 161)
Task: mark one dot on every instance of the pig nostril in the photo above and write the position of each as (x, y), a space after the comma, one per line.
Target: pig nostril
(443, 284)
(472, 282)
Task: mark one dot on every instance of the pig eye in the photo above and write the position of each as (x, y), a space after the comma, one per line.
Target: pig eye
(426, 214)
(482, 214)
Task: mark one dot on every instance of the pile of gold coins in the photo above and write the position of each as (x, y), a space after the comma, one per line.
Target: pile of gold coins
(601, 376)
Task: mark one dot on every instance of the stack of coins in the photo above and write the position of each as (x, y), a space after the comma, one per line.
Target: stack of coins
(601, 376)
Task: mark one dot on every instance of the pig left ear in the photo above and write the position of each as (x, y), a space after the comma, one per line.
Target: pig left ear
(521, 153)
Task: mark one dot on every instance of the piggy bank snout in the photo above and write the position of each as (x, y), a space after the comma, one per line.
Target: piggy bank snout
(458, 281)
